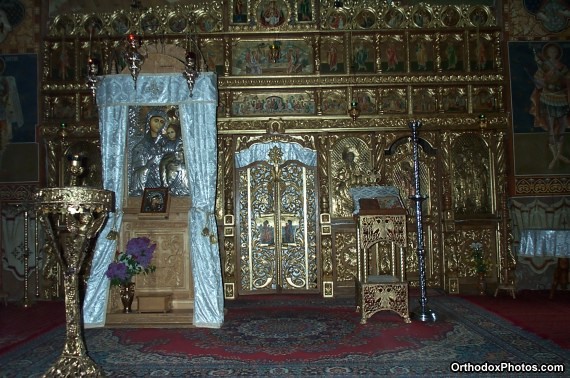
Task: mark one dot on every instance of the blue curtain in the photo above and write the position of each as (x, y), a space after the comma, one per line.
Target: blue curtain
(115, 95)
(291, 151)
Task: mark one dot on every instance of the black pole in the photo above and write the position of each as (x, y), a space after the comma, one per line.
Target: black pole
(423, 313)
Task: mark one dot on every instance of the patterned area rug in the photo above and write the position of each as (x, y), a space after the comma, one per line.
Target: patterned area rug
(280, 339)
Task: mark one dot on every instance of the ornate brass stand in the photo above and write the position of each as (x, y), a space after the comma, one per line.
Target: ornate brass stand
(71, 217)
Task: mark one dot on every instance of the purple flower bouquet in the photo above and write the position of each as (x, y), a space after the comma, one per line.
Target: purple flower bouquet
(135, 260)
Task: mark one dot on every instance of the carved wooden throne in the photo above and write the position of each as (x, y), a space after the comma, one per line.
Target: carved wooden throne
(380, 224)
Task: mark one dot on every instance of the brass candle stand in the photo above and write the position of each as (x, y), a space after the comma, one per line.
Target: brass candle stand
(424, 313)
(72, 217)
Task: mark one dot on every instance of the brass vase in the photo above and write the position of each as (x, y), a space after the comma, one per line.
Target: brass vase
(127, 292)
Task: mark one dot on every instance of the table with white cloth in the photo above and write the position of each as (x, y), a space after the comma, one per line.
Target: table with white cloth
(548, 243)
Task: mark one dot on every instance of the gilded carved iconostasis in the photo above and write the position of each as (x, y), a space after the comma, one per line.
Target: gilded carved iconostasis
(288, 74)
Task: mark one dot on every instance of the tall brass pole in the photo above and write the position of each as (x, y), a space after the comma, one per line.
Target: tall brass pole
(423, 314)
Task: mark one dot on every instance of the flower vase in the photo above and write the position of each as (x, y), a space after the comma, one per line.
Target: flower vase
(127, 292)
(482, 283)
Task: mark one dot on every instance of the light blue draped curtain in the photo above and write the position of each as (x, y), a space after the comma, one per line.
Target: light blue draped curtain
(291, 151)
(198, 120)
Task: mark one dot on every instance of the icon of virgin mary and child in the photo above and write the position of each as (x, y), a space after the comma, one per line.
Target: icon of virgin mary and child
(157, 159)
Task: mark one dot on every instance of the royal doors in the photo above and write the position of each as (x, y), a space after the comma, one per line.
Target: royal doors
(277, 222)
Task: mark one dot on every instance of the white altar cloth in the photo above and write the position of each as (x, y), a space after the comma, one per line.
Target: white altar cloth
(544, 243)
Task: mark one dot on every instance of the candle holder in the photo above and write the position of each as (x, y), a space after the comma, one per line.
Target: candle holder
(190, 73)
(133, 57)
(76, 168)
(424, 314)
(72, 217)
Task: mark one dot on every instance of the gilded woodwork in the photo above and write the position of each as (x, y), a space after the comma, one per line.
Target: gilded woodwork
(345, 256)
(471, 189)
(462, 108)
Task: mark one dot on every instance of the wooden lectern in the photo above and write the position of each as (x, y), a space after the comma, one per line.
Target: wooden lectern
(380, 223)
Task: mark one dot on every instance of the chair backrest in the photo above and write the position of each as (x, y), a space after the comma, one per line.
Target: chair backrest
(386, 262)
(382, 244)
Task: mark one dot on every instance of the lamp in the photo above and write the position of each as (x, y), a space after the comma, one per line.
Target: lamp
(191, 63)
(482, 121)
(133, 57)
(190, 73)
(354, 112)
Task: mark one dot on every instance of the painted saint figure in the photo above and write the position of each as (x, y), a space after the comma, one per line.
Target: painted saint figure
(266, 233)
(332, 58)
(360, 57)
(451, 56)
(304, 12)
(551, 98)
(392, 57)
(421, 56)
(289, 234)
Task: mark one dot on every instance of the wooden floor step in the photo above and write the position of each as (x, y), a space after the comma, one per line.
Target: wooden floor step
(172, 319)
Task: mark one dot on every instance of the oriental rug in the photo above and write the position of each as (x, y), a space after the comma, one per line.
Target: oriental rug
(292, 338)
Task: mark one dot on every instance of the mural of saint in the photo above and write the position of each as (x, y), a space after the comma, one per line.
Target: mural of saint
(550, 99)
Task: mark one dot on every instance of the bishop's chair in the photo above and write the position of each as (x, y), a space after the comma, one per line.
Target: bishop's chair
(381, 242)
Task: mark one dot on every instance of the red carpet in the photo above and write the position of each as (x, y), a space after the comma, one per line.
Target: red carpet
(19, 324)
(533, 312)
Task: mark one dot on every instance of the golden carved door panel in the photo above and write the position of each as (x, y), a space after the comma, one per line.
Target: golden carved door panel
(277, 213)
